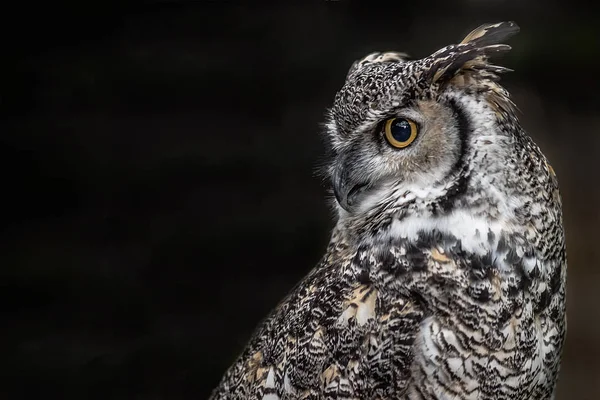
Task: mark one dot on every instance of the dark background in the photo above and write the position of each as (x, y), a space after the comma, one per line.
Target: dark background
(158, 175)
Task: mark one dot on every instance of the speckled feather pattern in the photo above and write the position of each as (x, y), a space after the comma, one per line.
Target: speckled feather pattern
(444, 280)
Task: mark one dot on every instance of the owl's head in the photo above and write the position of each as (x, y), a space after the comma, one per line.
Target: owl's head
(404, 132)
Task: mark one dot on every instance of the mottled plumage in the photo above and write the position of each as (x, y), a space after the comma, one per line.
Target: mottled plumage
(445, 274)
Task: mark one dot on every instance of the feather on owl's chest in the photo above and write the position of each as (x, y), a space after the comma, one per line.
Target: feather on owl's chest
(491, 306)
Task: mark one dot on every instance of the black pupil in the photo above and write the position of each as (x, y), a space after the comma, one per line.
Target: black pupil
(400, 130)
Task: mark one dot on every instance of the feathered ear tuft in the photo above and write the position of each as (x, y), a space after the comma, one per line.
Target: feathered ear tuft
(472, 54)
(489, 34)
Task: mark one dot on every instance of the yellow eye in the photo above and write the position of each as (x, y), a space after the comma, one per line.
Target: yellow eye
(400, 132)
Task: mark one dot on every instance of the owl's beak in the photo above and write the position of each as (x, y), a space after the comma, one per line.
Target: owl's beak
(346, 191)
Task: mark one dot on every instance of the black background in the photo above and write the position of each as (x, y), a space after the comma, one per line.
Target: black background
(158, 177)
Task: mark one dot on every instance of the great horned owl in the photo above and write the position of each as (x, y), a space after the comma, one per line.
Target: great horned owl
(445, 274)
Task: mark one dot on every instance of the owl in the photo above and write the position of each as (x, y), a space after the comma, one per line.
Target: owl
(445, 274)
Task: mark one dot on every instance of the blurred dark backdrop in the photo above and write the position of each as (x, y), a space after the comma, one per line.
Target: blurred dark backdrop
(158, 175)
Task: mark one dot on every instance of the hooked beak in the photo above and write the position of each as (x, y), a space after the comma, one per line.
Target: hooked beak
(347, 191)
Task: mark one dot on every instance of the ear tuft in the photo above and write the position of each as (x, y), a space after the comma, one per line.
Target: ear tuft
(472, 54)
(489, 34)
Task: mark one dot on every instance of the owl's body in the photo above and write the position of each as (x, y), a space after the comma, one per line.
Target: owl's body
(445, 275)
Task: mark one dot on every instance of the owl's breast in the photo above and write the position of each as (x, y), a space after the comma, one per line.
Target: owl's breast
(494, 323)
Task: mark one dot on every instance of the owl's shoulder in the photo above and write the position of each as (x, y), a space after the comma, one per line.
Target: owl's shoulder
(337, 333)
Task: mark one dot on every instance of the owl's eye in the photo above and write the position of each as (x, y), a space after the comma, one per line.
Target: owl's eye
(400, 132)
